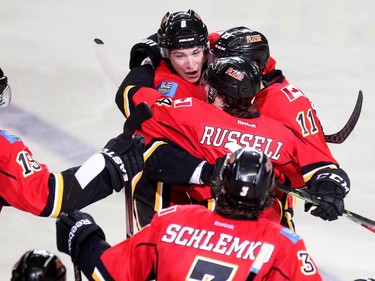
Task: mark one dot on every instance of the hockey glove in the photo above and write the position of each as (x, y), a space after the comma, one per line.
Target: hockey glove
(73, 229)
(146, 48)
(124, 159)
(329, 187)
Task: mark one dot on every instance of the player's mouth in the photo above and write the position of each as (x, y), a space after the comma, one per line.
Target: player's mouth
(192, 74)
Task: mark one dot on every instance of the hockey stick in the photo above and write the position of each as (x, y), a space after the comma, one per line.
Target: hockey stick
(140, 114)
(341, 135)
(104, 61)
(303, 195)
(263, 255)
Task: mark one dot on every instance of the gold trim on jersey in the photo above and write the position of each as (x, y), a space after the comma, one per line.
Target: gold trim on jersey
(309, 175)
(126, 101)
(59, 191)
(158, 198)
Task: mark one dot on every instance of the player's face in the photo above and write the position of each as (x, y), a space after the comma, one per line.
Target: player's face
(188, 63)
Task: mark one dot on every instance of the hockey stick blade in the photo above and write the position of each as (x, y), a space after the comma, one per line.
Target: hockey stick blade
(105, 63)
(342, 135)
(361, 220)
(140, 114)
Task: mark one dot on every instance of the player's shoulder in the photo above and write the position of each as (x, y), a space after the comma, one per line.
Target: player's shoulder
(9, 137)
(281, 92)
(289, 235)
(181, 210)
(284, 234)
(271, 121)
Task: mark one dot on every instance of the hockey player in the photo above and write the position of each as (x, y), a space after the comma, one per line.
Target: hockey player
(175, 31)
(29, 186)
(39, 265)
(233, 82)
(191, 242)
(182, 43)
(178, 52)
(278, 98)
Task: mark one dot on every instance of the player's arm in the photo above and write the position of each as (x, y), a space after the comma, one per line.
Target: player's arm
(137, 78)
(169, 163)
(109, 169)
(294, 261)
(84, 241)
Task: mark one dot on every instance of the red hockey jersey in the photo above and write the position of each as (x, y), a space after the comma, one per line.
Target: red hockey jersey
(176, 247)
(208, 132)
(171, 85)
(287, 104)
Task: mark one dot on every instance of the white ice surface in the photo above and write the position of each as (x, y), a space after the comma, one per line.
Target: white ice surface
(63, 104)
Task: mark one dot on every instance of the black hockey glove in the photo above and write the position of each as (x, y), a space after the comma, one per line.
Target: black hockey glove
(329, 187)
(73, 229)
(124, 159)
(146, 48)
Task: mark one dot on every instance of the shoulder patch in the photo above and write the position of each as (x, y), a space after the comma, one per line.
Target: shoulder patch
(291, 235)
(292, 92)
(167, 88)
(185, 102)
(9, 137)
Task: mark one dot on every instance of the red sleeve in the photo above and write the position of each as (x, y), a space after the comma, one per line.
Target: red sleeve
(23, 180)
(132, 259)
(293, 109)
(295, 262)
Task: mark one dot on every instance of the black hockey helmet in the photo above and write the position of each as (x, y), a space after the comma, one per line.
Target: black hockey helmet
(39, 265)
(235, 78)
(244, 42)
(182, 30)
(246, 178)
